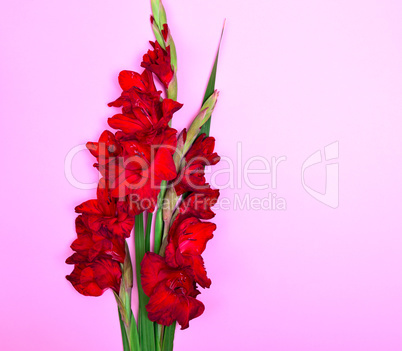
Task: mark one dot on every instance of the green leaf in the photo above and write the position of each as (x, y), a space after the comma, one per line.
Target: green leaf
(169, 337)
(126, 346)
(145, 326)
(148, 233)
(158, 336)
(134, 337)
(211, 86)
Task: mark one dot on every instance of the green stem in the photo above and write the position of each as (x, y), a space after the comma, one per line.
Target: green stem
(158, 230)
(159, 218)
(145, 326)
(163, 335)
(127, 321)
(164, 240)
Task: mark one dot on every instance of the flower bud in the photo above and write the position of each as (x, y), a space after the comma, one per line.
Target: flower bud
(161, 30)
(127, 276)
(157, 33)
(205, 113)
(169, 42)
(155, 4)
(159, 13)
(178, 155)
(170, 203)
(162, 15)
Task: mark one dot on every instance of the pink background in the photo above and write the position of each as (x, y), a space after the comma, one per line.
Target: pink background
(294, 77)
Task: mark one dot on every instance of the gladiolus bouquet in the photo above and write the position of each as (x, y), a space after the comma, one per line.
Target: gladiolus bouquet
(152, 186)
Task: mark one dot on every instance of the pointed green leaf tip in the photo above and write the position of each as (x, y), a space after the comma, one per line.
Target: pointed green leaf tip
(211, 84)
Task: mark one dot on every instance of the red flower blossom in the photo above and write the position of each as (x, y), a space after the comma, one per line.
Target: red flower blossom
(106, 211)
(143, 126)
(141, 172)
(106, 151)
(199, 204)
(172, 292)
(144, 116)
(158, 61)
(93, 278)
(192, 175)
(91, 245)
(138, 91)
(187, 240)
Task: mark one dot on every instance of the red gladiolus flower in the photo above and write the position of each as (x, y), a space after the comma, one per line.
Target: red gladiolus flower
(141, 173)
(138, 91)
(158, 62)
(106, 211)
(145, 127)
(192, 175)
(106, 151)
(145, 116)
(93, 278)
(187, 240)
(91, 245)
(172, 292)
(199, 204)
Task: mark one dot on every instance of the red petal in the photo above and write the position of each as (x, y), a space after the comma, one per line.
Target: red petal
(199, 204)
(200, 273)
(129, 79)
(89, 207)
(164, 167)
(151, 265)
(193, 240)
(165, 306)
(169, 107)
(126, 124)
